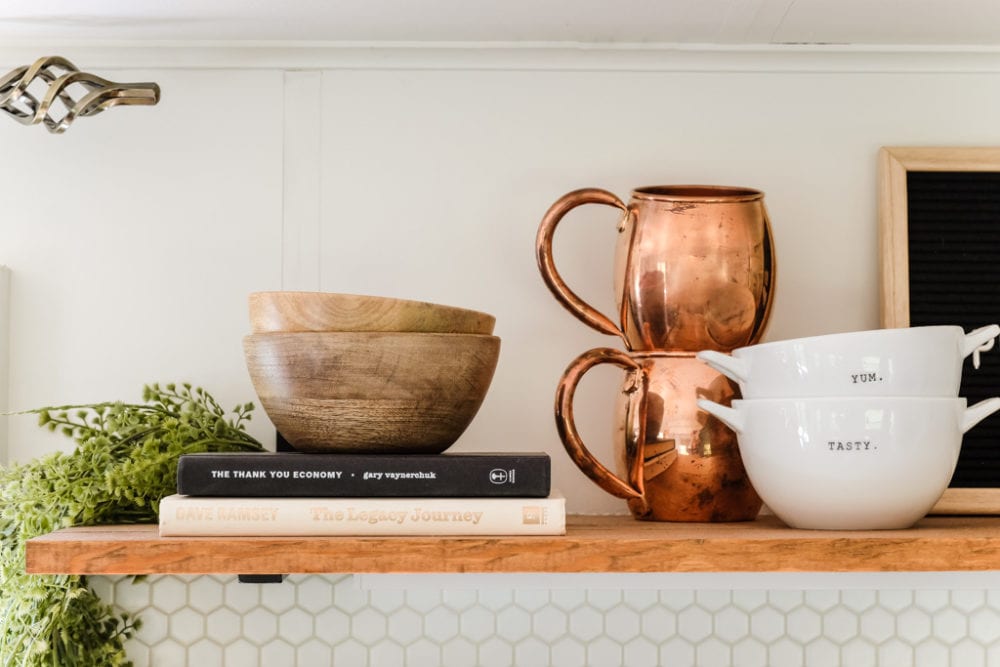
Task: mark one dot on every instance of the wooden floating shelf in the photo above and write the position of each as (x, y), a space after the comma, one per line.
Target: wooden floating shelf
(592, 544)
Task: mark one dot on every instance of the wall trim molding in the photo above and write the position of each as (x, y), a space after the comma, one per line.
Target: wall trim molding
(302, 191)
(557, 56)
(5, 278)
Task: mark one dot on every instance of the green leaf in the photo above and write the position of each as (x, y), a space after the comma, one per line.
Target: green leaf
(124, 462)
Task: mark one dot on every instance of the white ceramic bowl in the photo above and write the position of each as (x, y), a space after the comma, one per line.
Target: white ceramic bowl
(850, 463)
(917, 361)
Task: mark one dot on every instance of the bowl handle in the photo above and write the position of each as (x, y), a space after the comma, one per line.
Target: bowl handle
(728, 416)
(980, 340)
(728, 365)
(978, 412)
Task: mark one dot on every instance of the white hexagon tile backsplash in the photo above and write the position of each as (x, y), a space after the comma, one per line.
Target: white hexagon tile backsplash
(329, 620)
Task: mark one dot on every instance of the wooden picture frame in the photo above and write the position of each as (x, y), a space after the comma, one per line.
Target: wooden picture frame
(899, 169)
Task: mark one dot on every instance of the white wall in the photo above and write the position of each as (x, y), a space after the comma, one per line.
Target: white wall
(133, 240)
(135, 237)
(435, 182)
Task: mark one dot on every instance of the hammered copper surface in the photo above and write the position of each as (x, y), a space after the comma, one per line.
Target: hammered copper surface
(694, 267)
(675, 462)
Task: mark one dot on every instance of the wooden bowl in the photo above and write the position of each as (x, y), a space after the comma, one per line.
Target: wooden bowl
(371, 392)
(325, 311)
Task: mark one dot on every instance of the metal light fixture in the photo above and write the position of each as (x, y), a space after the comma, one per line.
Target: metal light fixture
(60, 75)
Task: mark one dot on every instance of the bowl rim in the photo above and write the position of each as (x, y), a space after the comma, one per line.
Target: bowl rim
(881, 401)
(259, 335)
(373, 297)
(891, 332)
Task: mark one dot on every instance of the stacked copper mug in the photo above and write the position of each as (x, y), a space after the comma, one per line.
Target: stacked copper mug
(694, 270)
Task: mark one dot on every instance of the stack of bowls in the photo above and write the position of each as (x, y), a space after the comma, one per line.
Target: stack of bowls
(367, 374)
(853, 431)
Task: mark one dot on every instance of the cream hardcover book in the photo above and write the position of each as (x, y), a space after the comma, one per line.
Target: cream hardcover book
(207, 516)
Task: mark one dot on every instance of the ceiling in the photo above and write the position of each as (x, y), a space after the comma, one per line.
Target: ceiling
(725, 22)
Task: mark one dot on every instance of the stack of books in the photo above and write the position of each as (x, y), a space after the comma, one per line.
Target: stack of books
(296, 494)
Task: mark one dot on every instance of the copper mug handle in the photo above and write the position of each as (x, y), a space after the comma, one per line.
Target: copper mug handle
(543, 253)
(634, 488)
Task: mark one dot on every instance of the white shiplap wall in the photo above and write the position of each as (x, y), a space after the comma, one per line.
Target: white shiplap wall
(423, 173)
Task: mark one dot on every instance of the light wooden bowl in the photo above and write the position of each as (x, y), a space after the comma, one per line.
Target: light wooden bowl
(371, 392)
(326, 311)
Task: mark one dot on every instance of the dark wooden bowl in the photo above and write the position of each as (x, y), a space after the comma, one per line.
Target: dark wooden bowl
(371, 392)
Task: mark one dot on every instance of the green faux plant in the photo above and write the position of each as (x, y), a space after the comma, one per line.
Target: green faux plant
(124, 462)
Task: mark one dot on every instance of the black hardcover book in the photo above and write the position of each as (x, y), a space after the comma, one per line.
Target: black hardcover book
(271, 474)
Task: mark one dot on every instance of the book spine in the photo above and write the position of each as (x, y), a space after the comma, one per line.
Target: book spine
(193, 516)
(385, 476)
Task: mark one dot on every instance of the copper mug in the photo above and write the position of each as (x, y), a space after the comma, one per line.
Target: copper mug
(694, 267)
(675, 461)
